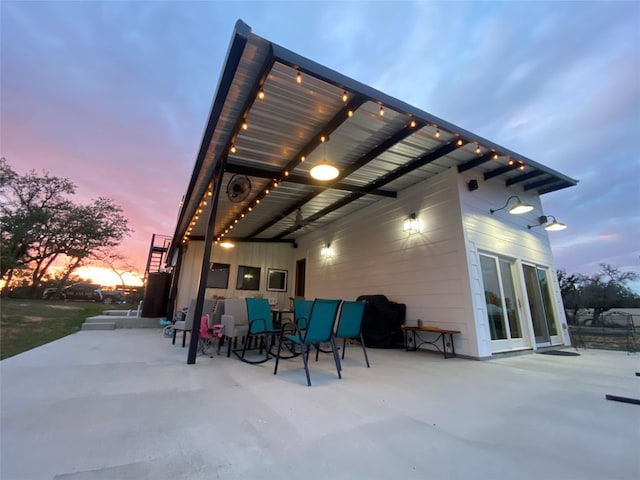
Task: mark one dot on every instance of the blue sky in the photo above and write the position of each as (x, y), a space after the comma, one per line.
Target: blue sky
(115, 95)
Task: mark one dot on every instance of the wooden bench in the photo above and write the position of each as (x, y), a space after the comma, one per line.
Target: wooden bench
(442, 335)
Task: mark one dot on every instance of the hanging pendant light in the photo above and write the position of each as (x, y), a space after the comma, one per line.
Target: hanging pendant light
(324, 170)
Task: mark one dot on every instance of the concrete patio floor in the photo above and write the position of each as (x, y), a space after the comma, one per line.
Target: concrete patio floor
(123, 404)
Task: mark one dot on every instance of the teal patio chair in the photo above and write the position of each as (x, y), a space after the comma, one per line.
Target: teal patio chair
(301, 312)
(319, 329)
(260, 327)
(350, 325)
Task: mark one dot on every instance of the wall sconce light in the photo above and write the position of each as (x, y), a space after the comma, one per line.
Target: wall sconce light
(411, 224)
(553, 226)
(327, 251)
(518, 208)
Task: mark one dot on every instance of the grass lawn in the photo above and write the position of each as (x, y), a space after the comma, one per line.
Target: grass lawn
(26, 324)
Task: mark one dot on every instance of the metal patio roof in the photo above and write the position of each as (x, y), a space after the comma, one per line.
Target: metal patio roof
(381, 146)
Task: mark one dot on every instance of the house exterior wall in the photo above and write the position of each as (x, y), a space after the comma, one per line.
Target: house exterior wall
(427, 271)
(507, 236)
(252, 254)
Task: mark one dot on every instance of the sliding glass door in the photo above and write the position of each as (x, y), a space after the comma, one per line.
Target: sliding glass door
(502, 304)
(540, 305)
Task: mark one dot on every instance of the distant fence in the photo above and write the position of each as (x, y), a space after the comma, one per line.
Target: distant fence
(615, 331)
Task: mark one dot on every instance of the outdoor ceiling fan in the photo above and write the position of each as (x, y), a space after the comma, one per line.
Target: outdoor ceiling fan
(238, 188)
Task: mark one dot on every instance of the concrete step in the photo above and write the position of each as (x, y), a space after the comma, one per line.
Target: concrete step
(121, 322)
(99, 326)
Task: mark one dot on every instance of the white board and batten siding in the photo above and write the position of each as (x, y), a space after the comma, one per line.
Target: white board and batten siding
(427, 271)
(262, 255)
(507, 236)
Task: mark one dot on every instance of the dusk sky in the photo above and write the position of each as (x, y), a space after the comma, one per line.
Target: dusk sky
(115, 95)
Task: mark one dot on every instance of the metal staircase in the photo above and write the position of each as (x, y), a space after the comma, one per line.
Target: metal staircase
(157, 253)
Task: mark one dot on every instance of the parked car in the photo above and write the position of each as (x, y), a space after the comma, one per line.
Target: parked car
(113, 296)
(51, 294)
(82, 291)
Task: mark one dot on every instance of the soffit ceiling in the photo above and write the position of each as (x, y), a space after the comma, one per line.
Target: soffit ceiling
(378, 155)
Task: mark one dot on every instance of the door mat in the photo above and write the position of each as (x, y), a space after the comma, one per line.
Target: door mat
(562, 353)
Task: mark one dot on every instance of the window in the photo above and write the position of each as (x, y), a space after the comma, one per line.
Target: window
(218, 276)
(277, 280)
(248, 278)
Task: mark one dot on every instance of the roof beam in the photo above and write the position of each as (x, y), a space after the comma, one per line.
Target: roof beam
(540, 183)
(390, 177)
(301, 180)
(524, 177)
(463, 167)
(553, 188)
(500, 171)
(363, 160)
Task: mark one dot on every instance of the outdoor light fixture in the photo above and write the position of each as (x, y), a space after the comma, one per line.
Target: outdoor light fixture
(324, 170)
(411, 225)
(554, 226)
(517, 209)
(227, 244)
(327, 251)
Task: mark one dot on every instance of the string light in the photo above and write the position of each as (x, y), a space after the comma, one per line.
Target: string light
(245, 125)
(459, 142)
(437, 134)
(381, 111)
(413, 124)
(261, 94)
(495, 156)
(478, 149)
(350, 113)
(344, 97)
(299, 77)
(233, 148)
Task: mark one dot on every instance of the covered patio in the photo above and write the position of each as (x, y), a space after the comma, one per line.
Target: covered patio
(123, 404)
(414, 204)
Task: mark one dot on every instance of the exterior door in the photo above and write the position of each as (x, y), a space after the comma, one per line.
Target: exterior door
(301, 267)
(502, 303)
(540, 305)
